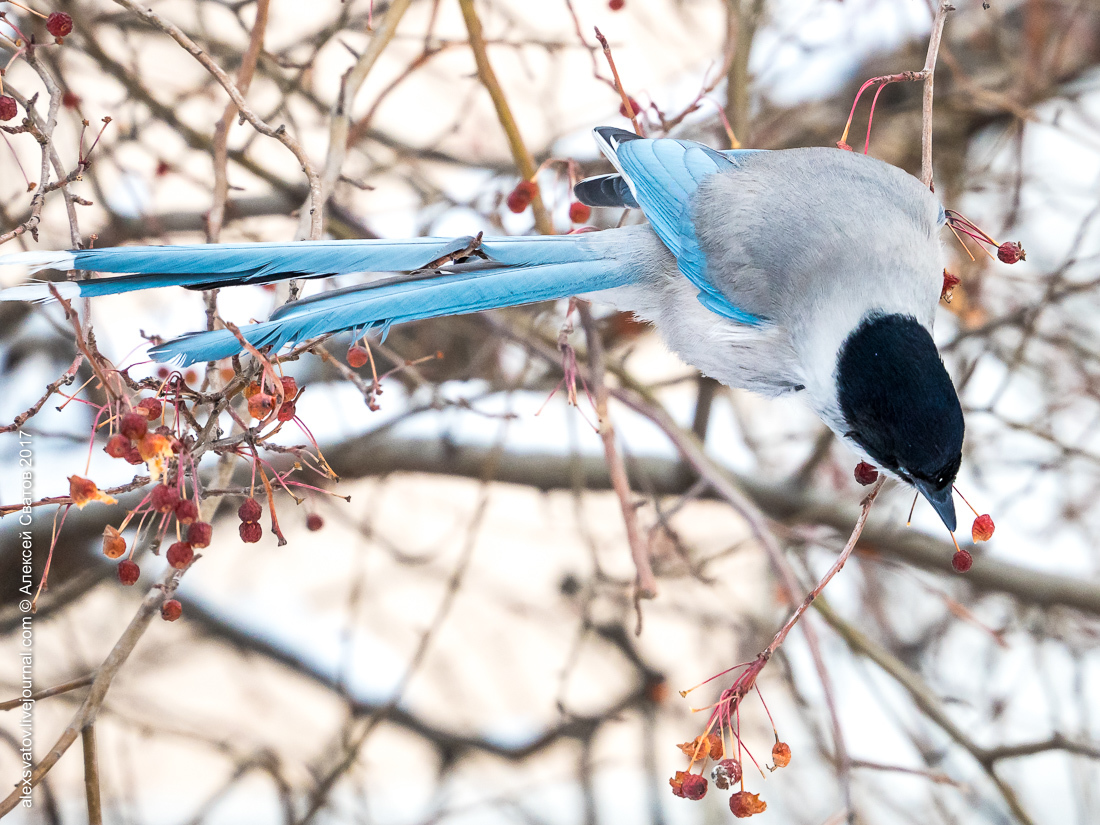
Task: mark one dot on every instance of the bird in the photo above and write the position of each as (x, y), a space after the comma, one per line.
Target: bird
(810, 271)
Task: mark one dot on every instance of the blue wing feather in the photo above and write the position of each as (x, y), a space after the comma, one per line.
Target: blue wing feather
(664, 175)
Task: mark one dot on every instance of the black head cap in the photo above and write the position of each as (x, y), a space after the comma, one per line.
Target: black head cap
(901, 407)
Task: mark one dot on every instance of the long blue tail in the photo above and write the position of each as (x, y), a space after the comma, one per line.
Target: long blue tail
(466, 275)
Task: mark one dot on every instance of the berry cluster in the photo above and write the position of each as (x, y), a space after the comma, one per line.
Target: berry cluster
(728, 772)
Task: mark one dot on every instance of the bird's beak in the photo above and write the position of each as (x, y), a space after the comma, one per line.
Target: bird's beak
(941, 501)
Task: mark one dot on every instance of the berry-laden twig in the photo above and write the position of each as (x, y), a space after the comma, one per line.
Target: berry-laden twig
(725, 713)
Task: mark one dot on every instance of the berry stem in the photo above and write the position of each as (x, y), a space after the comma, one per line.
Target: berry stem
(968, 504)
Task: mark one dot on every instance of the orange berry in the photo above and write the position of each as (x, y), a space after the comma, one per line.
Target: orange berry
(745, 804)
(114, 545)
(781, 754)
(357, 357)
(983, 528)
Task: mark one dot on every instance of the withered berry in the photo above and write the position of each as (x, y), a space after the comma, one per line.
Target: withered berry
(164, 498)
(118, 446)
(260, 405)
(962, 561)
(633, 105)
(134, 426)
(187, 511)
(179, 555)
(114, 545)
(286, 412)
(250, 532)
(250, 510)
(199, 533)
(616, 5)
(983, 528)
(128, 572)
(949, 283)
(866, 474)
(520, 197)
(314, 522)
(579, 212)
(70, 100)
(693, 786)
(1011, 252)
(726, 773)
(781, 754)
(290, 386)
(149, 407)
(8, 109)
(59, 24)
(745, 804)
(171, 610)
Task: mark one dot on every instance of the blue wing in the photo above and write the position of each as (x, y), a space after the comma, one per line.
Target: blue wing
(663, 175)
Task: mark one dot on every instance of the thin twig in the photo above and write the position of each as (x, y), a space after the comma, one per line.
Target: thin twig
(91, 776)
(645, 585)
(281, 134)
(929, 77)
(520, 153)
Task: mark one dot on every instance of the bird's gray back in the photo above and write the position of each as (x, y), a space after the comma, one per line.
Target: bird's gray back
(786, 227)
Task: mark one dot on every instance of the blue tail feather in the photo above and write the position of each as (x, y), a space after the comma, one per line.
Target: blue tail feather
(397, 302)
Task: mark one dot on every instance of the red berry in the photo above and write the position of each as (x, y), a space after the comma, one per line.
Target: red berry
(726, 773)
(1010, 252)
(520, 197)
(287, 411)
(961, 561)
(616, 5)
(579, 212)
(128, 572)
(171, 610)
(866, 474)
(187, 511)
(164, 498)
(179, 555)
(840, 144)
(250, 532)
(250, 510)
(70, 100)
(8, 109)
(633, 105)
(290, 386)
(983, 528)
(59, 24)
(118, 446)
(134, 426)
(162, 168)
(314, 522)
(357, 357)
(133, 456)
(149, 407)
(199, 533)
